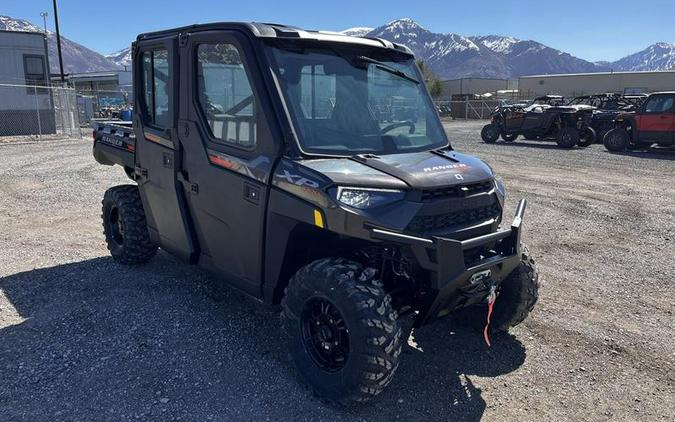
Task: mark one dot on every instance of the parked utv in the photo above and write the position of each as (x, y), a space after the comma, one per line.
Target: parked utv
(653, 123)
(606, 107)
(543, 119)
(256, 155)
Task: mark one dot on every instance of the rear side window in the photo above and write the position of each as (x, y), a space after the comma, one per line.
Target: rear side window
(659, 104)
(225, 95)
(155, 66)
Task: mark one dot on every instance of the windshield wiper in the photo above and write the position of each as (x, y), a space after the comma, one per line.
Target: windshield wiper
(389, 69)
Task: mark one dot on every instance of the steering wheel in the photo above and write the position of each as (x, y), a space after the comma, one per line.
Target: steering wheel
(397, 125)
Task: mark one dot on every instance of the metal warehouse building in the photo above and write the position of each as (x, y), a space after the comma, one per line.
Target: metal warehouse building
(24, 65)
(476, 86)
(575, 84)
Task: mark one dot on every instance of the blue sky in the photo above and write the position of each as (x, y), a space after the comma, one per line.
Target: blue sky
(591, 29)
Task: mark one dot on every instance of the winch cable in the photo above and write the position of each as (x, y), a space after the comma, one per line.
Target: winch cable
(492, 297)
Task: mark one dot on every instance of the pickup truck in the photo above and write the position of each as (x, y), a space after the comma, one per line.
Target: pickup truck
(652, 123)
(256, 153)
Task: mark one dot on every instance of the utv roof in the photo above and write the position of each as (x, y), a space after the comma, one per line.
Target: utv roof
(549, 97)
(600, 95)
(274, 30)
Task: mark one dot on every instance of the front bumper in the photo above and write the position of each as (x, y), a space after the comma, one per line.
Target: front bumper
(458, 273)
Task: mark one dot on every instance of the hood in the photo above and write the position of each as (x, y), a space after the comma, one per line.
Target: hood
(419, 170)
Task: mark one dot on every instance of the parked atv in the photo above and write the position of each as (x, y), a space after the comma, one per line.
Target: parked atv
(567, 125)
(653, 123)
(606, 108)
(279, 179)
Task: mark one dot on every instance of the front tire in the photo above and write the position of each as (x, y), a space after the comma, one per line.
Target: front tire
(616, 140)
(517, 295)
(125, 227)
(587, 138)
(490, 133)
(341, 330)
(568, 137)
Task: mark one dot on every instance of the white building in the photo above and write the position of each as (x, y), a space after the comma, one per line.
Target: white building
(575, 84)
(25, 107)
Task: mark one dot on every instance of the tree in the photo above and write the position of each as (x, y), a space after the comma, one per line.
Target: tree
(435, 88)
(430, 79)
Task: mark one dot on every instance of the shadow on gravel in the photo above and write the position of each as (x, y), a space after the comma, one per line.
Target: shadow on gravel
(652, 154)
(164, 341)
(532, 144)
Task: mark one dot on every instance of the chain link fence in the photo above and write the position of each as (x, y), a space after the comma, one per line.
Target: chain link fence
(103, 104)
(467, 109)
(38, 112)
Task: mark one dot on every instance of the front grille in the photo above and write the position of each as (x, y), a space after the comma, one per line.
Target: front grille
(456, 191)
(449, 221)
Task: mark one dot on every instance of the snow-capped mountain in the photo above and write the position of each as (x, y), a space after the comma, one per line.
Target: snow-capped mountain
(449, 55)
(356, 32)
(659, 56)
(76, 58)
(122, 57)
(452, 55)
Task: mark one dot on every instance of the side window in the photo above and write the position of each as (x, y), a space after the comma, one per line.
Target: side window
(155, 65)
(659, 104)
(34, 72)
(225, 95)
(318, 92)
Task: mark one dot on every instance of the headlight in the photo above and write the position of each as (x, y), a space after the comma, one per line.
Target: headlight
(363, 198)
(501, 191)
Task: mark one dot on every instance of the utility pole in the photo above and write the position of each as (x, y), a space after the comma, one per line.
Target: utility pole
(44, 20)
(58, 42)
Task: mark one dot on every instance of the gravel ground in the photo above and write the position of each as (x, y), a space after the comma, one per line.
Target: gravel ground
(83, 338)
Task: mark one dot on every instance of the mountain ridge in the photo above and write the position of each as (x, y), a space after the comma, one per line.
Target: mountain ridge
(449, 55)
(76, 57)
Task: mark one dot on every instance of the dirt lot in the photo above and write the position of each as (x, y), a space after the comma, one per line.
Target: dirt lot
(82, 338)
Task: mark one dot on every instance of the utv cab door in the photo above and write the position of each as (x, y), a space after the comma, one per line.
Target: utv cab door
(656, 119)
(157, 153)
(535, 119)
(229, 153)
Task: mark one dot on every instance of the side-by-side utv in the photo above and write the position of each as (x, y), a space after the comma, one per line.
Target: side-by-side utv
(257, 153)
(544, 119)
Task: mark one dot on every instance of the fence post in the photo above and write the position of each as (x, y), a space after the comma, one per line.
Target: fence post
(37, 109)
(466, 109)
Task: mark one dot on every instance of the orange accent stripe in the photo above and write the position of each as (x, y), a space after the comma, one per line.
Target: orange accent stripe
(221, 162)
(153, 138)
(131, 148)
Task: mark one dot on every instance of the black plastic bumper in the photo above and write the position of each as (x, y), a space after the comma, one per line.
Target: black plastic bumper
(453, 270)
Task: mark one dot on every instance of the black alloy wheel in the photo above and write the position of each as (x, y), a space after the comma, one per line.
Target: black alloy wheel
(325, 334)
(114, 226)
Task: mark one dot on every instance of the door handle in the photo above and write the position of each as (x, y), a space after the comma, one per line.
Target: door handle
(251, 193)
(192, 188)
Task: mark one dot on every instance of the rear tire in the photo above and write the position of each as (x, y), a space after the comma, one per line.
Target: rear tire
(509, 138)
(367, 347)
(616, 140)
(568, 137)
(125, 227)
(587, 138)
(490, 133)
(518, 294)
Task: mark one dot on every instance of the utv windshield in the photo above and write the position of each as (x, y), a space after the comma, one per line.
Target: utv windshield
(357, 101)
